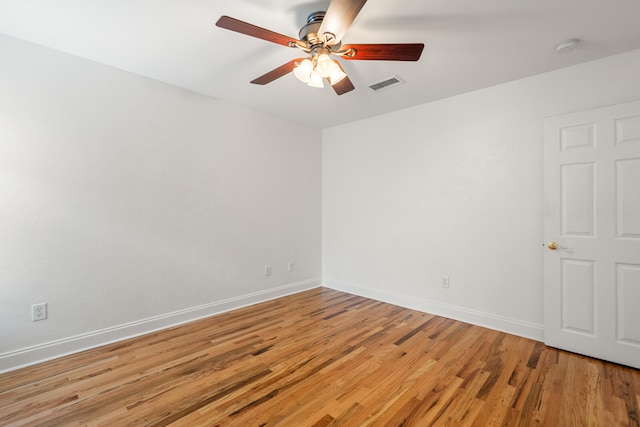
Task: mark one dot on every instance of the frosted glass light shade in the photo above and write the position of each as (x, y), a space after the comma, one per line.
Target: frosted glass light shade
(336, 74)
(324, 65)
(315, 80)
(303, 71)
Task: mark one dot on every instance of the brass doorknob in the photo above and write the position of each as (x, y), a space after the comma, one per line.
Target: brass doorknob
(554, 246)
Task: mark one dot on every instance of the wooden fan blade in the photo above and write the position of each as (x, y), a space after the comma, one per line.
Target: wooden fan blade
(343, 86)
(276, 73)
(384, 52)
(242, 27)
(339, 17)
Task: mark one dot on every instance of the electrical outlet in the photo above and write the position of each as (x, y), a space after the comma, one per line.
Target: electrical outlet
(267, 270)
(445, 281)
(291, 266)
(38, 312)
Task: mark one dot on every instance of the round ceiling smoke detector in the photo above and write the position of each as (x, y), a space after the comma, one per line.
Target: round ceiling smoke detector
(567, 46)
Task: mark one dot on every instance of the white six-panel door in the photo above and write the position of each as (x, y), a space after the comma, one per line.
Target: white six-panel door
(592, 213)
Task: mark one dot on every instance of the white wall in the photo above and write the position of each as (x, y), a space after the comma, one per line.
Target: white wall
(455, 187)
(128, 205)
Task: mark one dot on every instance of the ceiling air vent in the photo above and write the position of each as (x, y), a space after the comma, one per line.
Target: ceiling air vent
(390, 82)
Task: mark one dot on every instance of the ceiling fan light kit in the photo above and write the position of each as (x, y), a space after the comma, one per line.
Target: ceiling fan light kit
(313, 69)
(321, 38)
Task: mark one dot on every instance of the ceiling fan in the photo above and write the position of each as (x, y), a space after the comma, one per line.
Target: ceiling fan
(320, 38)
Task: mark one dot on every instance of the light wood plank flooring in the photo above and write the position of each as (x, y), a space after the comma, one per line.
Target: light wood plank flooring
(322, 358)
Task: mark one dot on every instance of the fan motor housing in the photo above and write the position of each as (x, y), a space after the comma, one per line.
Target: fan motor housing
(309, 32)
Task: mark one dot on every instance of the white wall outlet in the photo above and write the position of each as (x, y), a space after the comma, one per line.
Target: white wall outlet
(291, 266)
(38, 312)
(267, 270)
(445, 281)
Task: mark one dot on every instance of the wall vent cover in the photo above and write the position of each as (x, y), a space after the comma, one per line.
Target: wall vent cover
(387, 83)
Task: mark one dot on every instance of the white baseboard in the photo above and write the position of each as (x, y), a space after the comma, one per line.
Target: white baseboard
(487, 320)
(40, 353)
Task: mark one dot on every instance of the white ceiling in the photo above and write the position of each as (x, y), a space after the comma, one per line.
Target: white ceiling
(470, 44)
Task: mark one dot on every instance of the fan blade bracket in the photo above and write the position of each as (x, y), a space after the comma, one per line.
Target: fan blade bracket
(330, 39)
(347, 54)
(299, 44)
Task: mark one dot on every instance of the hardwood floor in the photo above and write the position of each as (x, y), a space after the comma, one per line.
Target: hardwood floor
(322, 358)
